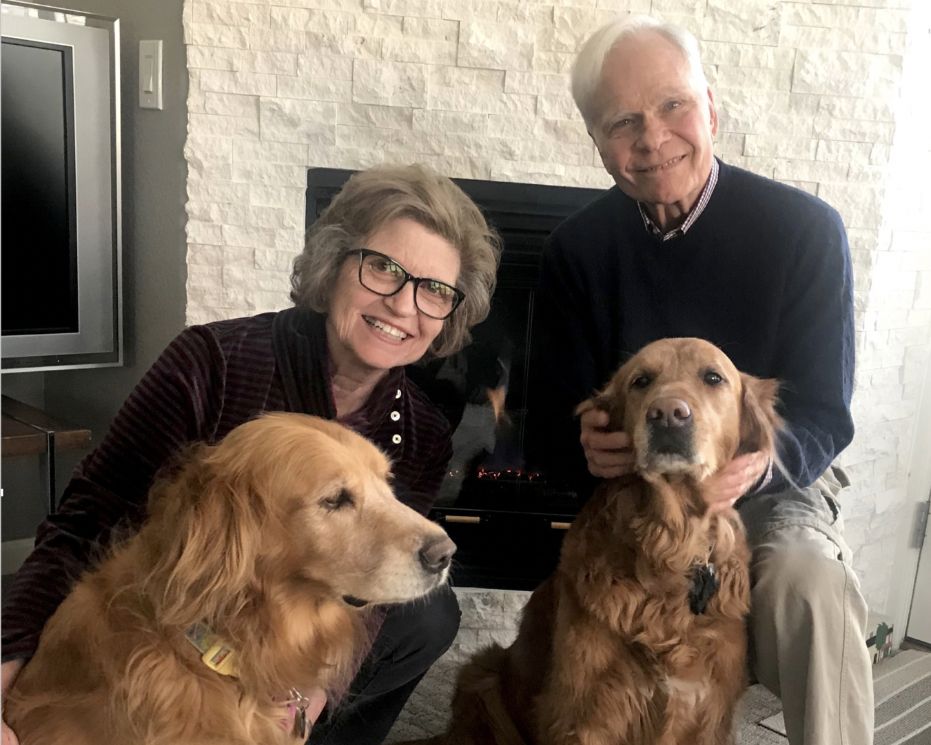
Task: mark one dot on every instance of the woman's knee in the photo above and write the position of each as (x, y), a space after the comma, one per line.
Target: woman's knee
(441, 622)
(426, 627)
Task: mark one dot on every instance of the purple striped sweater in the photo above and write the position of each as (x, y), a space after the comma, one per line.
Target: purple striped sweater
(208, 380)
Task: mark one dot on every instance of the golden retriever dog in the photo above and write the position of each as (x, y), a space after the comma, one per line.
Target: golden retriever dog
(263, 546)
(639, 636)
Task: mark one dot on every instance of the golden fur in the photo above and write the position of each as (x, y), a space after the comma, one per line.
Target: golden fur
(261, 537)
(609, 652)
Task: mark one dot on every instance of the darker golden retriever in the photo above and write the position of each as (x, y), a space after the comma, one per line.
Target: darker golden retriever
(263, 544)
(639, 636)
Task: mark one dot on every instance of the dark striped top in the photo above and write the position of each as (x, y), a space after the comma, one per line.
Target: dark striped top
(208, 380)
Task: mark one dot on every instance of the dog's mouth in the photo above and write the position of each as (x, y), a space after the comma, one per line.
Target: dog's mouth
(675, 443)
(668, 451)
(354, 601)
(667, 464)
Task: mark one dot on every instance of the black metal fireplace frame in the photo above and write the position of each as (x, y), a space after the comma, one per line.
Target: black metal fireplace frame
(514, 546)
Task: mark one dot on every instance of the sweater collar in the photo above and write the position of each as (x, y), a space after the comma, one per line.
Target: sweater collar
(302, 356)
(299, 343)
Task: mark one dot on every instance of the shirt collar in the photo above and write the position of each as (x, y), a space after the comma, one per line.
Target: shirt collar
(699, 207)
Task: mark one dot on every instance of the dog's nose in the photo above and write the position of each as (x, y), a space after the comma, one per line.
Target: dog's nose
(436, 553)
(669, 412)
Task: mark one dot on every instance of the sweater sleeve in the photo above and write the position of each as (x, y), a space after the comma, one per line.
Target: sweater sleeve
(176, 402)
(814, 356)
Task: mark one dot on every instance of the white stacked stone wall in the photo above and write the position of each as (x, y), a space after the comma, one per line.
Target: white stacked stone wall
(809, 93)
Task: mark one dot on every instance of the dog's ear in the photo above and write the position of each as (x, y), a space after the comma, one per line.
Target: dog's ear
(208, 522)
(759, 421)
(608, 400)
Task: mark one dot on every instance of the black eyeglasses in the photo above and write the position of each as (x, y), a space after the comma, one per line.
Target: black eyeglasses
(384, 276)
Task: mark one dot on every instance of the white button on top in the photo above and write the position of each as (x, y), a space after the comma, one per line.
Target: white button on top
(394, 416)
(398, 394)
(396, 439)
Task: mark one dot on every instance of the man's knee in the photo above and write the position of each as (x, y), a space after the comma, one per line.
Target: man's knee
(804, 578)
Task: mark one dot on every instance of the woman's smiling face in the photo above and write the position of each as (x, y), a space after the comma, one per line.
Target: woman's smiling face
(374, 333)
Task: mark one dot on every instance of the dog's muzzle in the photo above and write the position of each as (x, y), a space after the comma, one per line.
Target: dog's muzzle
(436, 553)
(670, 427)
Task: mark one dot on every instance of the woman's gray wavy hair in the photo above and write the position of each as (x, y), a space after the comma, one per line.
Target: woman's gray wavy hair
(372, 198)
(588, 66)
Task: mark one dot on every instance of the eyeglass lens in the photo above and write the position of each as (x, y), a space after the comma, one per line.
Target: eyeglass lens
(382, 275)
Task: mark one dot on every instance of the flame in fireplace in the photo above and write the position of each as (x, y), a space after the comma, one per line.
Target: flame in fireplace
(496, 397)
(507, 474)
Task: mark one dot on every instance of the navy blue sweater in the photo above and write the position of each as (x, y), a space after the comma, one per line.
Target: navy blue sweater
(764, 273)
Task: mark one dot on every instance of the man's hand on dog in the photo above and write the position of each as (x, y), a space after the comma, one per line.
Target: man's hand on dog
(610, 455)
(734, 480)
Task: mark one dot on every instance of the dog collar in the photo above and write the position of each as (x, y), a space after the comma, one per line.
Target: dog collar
(219, 656)
(215, 653)
(704, 586)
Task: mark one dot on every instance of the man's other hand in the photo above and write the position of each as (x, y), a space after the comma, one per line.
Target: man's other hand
(734, 480)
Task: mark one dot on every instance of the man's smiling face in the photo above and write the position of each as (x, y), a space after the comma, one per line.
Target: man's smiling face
(655, 126)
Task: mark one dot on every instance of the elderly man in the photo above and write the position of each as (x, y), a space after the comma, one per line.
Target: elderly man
(686, 245)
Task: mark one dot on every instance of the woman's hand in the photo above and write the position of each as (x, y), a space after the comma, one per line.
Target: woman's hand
(609, 454)
(734, 480)
(10, 670)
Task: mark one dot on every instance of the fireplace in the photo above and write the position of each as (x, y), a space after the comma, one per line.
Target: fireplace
(507, 518)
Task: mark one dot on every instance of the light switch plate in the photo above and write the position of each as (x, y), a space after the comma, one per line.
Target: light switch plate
(150, 74)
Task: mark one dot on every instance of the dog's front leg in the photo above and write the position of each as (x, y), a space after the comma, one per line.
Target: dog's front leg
(593, 695)
(607, 713)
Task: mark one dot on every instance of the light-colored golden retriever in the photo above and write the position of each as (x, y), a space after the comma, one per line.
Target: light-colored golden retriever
(270, 538)
(639, 637)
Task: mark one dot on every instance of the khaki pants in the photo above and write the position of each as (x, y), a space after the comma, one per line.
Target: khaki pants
(808, 617)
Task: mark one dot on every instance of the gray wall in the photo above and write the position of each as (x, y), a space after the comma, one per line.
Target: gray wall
(154, 254)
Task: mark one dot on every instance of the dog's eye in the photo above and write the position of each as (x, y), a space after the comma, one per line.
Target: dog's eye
(641, 381)
(339, 501)
(712, 378)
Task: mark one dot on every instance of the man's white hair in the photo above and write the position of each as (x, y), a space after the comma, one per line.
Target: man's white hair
(588, 66)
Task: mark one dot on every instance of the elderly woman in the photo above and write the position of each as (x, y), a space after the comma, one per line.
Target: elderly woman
(399, 266)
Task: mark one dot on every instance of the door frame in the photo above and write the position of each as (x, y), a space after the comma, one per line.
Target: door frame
(918, 625)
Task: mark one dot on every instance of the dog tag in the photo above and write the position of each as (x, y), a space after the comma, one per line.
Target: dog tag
(222, 659)
(300, 723)
(300, 702)
(704, 586)
(215, 654)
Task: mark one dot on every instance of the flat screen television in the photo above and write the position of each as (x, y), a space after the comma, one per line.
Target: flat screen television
(60, 231)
